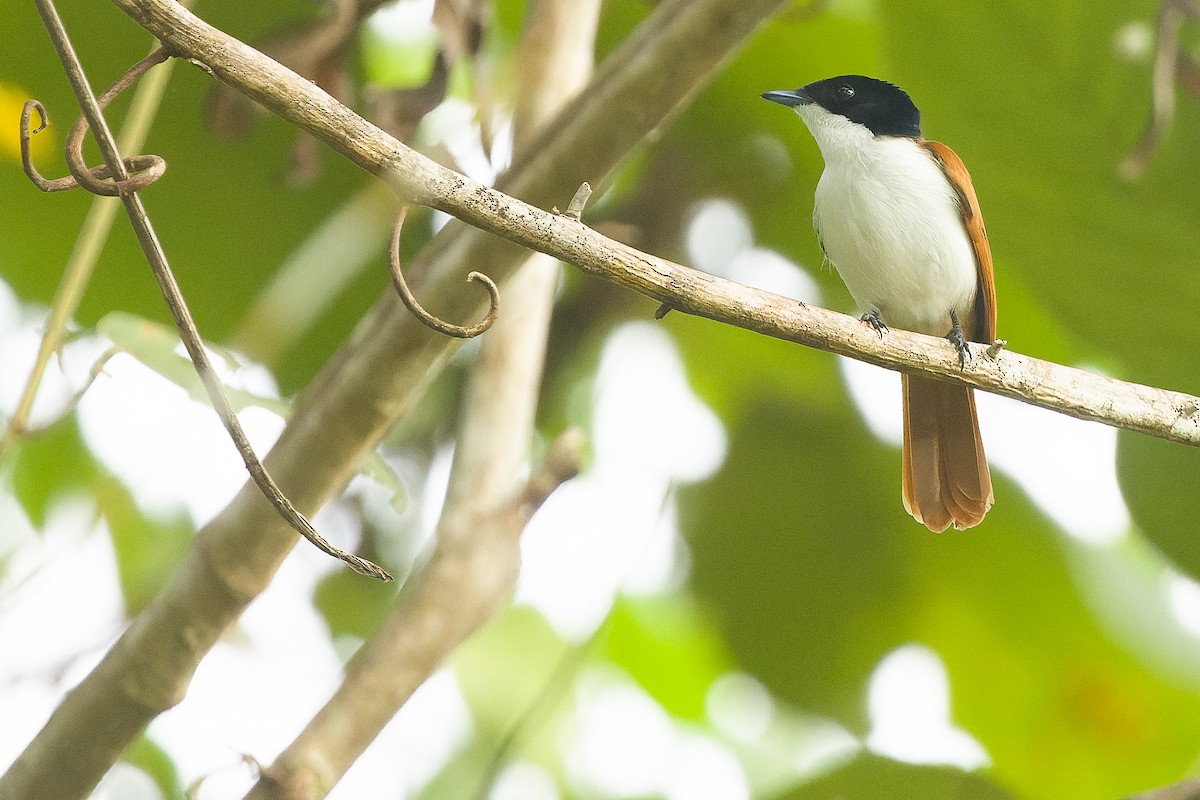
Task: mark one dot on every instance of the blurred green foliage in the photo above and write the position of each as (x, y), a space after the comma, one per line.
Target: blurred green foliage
(805, 570)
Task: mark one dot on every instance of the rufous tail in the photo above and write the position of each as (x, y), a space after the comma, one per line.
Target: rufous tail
(945, 476)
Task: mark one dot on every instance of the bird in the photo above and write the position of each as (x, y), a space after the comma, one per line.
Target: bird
(897, 216)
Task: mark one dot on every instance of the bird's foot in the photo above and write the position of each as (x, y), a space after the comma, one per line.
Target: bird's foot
(873, 319)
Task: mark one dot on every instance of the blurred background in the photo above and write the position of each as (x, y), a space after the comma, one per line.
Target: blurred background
(730, 602)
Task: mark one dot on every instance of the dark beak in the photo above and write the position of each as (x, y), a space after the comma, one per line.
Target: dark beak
(788, 97)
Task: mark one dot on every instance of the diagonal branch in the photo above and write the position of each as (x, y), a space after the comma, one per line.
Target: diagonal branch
(376, 378)
(1186, 790)
(1174, 416)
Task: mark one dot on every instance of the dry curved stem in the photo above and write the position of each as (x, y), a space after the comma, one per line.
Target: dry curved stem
(86, 252)
(141, 170)
(427, 319)
(1171, 64)
(126, 187)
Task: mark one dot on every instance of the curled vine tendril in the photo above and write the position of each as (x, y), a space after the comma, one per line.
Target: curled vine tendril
(406, 295)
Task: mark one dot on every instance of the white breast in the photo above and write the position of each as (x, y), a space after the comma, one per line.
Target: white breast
(890, 223)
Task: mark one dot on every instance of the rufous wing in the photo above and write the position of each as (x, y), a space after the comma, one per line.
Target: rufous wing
(982, 327)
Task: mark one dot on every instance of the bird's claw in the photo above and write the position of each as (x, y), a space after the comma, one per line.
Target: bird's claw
(873, 319)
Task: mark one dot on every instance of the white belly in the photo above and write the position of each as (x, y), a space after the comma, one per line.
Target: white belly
(891, 226)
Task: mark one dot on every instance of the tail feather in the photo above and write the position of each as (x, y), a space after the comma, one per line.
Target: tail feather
(945, 475)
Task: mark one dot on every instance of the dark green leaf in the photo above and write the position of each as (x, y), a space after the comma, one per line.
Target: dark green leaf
(1161, 483)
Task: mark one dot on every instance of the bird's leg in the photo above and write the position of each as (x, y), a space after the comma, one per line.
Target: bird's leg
(959, 340)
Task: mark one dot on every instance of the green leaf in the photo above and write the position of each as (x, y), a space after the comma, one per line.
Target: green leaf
(1046, 117)
(154, 345)
(871, 777)
(352, 606)
(1061, 705)
(147, 756)
(51, 465)
(147, 549)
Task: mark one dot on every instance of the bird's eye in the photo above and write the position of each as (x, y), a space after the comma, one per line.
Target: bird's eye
(845, 91)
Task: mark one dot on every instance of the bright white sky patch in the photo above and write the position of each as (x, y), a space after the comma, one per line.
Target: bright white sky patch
(1183, 598)
(716, 234)
(72, 550)
(255, 690)
(18, 351)
(1066, 466)
(646, 418)
(10, 309)
(739, 706)
(1134, 41)
(168, 449)
(36, 668)
(404, 23)
(772, 272)
(625, 745)
(622, 739)
(265, 680)
(719, 240)
(703, 769)
(431, 728)
(614, 527)
(455, 125)
(801, 746)
(27, 702)
(433, 497)
(909, 705)
(524, 780)
(126, 782)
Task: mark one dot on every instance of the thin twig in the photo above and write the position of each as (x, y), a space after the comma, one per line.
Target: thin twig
(1170, 64)
(556, 685)
(410, 302)
(579, 201)
(77, 396)
(170, 288)
(548, 698)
